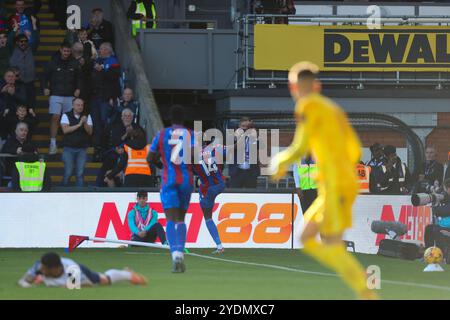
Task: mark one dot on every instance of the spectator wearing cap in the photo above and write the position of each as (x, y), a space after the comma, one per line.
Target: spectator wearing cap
(396, 177)
(77, 129)
(143, 221)
(29, 173)
(376, 162)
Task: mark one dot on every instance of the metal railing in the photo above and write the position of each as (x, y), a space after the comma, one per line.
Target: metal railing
(179, 23)
(248, 77)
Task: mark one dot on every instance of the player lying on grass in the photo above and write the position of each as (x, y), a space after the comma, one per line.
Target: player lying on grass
(324, 132)
(54, 271)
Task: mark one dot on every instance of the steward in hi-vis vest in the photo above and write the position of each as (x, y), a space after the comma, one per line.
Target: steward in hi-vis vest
(138, 10)
(29, 173)
(305, 173)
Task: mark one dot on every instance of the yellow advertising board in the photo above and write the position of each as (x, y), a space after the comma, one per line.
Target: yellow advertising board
(344, 48)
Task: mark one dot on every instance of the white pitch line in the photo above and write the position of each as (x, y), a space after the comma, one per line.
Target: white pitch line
(153, 253)
(271, 266)
(410, 284)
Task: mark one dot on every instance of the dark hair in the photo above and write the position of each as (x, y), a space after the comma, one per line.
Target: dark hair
(77, 98)
(20, 37)
(389, 150)
(177, 114)
(97, 9)
(142, 194)
(82, 30)
(66, 44)
(375, 146)
(21, 106)
(307, 74)
(243, 119)
(51, 260)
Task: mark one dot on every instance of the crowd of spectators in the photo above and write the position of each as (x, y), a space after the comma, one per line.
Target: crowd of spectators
(87, 104)
(88, 107)
(390, 175)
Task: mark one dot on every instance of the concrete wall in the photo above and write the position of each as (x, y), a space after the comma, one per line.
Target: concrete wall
(189, 59)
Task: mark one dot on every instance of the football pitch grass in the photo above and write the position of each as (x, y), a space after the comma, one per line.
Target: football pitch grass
(247, 274)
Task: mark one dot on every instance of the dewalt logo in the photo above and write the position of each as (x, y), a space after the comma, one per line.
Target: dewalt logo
(386, 48)
(342, 48)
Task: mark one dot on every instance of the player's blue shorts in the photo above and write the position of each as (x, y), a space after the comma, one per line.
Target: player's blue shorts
(176, 196)
(208, 200)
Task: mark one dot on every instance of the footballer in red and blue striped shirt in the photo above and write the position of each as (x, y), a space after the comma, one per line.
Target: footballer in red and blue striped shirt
(173, 145)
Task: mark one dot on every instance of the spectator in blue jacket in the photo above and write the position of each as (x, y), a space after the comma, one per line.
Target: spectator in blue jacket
(143, 221)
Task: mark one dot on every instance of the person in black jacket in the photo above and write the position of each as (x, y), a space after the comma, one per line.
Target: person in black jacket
(12, 92)
(86, 67)
(396, 178)
(99, 29)
(438, 232)
(22, 115)
(430, 174)
(117, 138)
(14, 145)
(77, 129)
(105, 89)
(62, 81)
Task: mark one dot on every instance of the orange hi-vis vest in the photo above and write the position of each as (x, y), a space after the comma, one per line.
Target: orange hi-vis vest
(137, 161)
(363, 176)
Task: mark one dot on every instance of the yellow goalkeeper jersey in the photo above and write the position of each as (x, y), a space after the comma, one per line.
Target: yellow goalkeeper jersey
(324, 131)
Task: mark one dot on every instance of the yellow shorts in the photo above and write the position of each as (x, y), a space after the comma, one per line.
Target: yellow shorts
(332, 210)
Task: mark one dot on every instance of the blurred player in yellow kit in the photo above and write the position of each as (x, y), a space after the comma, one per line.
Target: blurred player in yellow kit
(324, 132)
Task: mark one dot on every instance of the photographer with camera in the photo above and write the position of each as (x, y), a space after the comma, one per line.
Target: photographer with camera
(394, 176)
(430, 173)
(438, 233)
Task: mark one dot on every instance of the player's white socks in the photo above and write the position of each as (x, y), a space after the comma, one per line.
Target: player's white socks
(118, 275)
(177, 254)
(220, 247)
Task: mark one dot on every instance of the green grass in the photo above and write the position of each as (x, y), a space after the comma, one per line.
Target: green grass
(211, 279)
